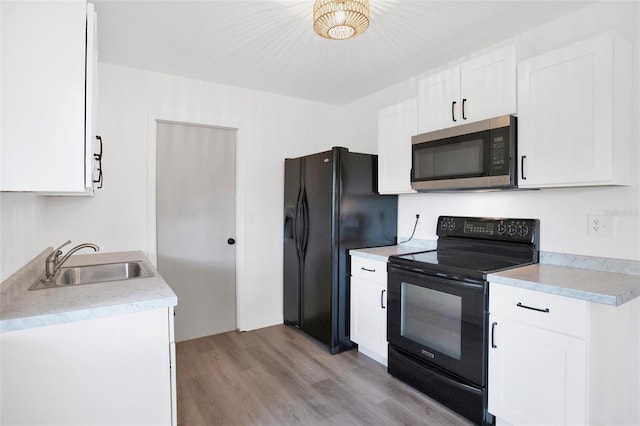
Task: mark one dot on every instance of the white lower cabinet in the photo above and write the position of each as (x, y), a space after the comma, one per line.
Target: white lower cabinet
(551, 360)
(536, 376)
(368, 308)
(115, 370)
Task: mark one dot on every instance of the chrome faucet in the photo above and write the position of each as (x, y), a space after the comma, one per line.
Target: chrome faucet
(53, 262)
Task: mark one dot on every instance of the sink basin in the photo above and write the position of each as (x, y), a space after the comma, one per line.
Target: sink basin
(89, 274)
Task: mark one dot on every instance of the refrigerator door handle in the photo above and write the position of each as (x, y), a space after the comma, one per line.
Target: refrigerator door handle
(297, 225)
(305, 223)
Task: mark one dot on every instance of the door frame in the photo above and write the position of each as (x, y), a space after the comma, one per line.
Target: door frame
(152, 240)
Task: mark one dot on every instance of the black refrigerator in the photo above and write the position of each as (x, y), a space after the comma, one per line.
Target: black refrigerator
(331, 205)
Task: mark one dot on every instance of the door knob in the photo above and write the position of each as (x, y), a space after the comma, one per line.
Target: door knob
(231, 241)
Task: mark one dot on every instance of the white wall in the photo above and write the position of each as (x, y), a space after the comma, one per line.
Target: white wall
(270, 127)
(22, 230)
(562, 212)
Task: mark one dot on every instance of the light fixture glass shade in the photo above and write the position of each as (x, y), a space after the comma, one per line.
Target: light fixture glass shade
(340, 19)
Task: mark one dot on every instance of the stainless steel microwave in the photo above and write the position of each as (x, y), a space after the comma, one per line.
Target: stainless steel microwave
(479, 155)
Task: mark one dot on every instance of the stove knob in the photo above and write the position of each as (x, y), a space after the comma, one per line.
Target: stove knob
(511, 229)
(443, 224)
(501, 228)
(523, 230)
(452, 225)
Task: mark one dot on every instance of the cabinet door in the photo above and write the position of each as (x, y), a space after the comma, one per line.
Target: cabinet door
(91, 100)
(113, 370)
(369, 316)
(396, 125)
(439, 100)
(43, 96)
(488, 86)
(536, 377)
(566, 106)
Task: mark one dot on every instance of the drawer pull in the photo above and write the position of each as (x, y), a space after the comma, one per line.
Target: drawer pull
(367, 269)
(520, 305)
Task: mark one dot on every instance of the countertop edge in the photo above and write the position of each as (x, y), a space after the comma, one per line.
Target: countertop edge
(382, 253)
(35, 321)
(558, 290)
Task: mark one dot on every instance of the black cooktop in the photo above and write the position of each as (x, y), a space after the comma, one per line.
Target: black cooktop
(470, 248)
(456, 265)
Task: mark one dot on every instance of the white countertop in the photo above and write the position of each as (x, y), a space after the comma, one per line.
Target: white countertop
(610, 288)
(382, 253)
(23, 308)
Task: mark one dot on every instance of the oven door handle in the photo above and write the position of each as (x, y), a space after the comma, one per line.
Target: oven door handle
(438, 276)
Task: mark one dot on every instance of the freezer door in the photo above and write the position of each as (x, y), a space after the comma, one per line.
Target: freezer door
(292, 261)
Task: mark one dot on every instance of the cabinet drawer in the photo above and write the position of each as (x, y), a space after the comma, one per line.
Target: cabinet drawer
(548, 311)
(369, 269)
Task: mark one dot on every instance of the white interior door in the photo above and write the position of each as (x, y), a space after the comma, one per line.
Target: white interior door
(195, 213)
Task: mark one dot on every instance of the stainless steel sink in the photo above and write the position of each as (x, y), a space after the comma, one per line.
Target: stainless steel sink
(88, 274)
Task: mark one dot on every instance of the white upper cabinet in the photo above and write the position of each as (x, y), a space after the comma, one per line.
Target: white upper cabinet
(396, 124)
(45, 146)
(481, 88)
(574, 107)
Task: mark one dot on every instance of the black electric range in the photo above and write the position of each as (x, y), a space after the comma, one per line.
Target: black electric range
(437, 318)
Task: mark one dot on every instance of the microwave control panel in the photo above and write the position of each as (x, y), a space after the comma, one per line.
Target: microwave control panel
(499, 151)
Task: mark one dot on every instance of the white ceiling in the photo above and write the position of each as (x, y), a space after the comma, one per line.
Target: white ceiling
(270, 45)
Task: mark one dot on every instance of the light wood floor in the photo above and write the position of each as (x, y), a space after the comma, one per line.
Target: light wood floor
(279, 376)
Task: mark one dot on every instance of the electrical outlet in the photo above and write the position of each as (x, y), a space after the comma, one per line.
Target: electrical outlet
(601, 225)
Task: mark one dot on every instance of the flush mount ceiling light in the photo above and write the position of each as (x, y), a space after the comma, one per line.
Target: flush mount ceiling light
(340, 19)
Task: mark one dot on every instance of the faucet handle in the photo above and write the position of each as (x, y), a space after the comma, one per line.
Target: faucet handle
(53, 256)
(58, 251)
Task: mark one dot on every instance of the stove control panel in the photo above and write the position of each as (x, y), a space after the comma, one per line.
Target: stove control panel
(502, 229)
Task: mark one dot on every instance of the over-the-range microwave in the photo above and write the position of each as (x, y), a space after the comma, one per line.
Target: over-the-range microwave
(480, 155)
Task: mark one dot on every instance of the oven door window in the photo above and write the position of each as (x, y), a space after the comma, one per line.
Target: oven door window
(432, 318)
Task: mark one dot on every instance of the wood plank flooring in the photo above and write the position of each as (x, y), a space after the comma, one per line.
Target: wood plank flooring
(280, 376)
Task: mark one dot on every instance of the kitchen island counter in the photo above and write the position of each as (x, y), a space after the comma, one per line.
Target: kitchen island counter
(610, 288)
(23, 308)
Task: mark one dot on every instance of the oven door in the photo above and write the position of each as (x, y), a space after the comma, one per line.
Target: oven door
(440, 321)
